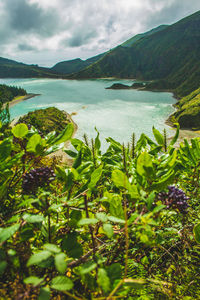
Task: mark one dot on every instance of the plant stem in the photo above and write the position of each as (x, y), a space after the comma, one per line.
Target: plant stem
(90, 228)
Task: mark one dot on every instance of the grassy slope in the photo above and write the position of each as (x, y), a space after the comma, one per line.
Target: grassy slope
(46, 120)
(188, 111)
(137, 37)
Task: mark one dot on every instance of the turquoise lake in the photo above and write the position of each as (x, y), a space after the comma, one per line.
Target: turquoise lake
(115, 113)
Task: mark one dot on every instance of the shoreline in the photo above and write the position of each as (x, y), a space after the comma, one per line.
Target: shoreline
(184, 133)
(19, 99)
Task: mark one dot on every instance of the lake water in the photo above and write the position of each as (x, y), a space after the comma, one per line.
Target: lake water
(115, 113)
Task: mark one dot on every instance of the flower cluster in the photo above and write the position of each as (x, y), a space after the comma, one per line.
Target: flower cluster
(174, 198)
(39, 177)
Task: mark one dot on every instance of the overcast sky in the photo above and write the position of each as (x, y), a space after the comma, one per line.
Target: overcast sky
(45, 32)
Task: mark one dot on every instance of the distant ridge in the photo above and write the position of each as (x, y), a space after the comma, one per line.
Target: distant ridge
(13, 69)
(75, 65)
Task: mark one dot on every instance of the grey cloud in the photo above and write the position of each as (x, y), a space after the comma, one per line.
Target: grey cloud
(81, 38)
(80, 28)
(25, 17)
(26, 47)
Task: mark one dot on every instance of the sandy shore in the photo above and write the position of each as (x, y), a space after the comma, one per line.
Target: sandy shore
(19, 99)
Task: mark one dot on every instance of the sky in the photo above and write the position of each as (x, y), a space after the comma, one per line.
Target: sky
(45, 32)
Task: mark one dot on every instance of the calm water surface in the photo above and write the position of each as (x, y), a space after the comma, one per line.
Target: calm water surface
(115, 113)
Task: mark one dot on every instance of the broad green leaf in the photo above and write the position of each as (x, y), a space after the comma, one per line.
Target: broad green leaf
(120, 179)
(33, 218)
(150, 200)
(11, 252)
(173, 159)
(102, 217)
(78, 160)
(71, 153)
(3, 265)
(159, 208)
(87, 221)
(114, 272)
(96, 175)
(158, 136)
(20, 130)
(144, 165)
(164, 181)
(97, 141)
(175, 138)
(5, 149)
(60, 262)
(8, 232)
(115, 204)
(52, 248)
(108, 229)
(34, 141)
(196, 231)
(39, 257)
(103, 280)
(61, 283)
(87, 267)
(114, 144)
(71, 245)
(65, 135)
(44, 293)
(53, 149)
(33, 280)
(116, 220)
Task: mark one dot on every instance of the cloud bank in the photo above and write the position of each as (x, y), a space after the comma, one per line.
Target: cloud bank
(45, 32)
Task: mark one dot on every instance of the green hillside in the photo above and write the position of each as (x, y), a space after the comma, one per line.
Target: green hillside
(46, 120)
(169, 57)
(8, 93)
(188, 111)
(75, 65)
(13, 69)
(137, 37)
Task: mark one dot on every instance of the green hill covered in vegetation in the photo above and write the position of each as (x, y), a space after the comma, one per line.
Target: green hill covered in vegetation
(13, 69)
(188, 111)
(8, 93)
(75, 65)
(137, 37)
(46, 120)
(169, 57)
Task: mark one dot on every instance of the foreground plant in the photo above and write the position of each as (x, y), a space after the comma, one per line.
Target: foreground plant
(113, 225)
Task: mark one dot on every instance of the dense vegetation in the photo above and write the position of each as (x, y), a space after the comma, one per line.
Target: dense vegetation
(75, 65)
(137, 37)
(123, 224)
(8, 93)
(46, 120)
(12, 69)
(188, 111)
(170, 57)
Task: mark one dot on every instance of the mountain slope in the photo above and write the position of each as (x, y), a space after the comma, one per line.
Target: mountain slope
(137, 37)
(11, 68)
(188, 111)
(75, 65)
(171, 56)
